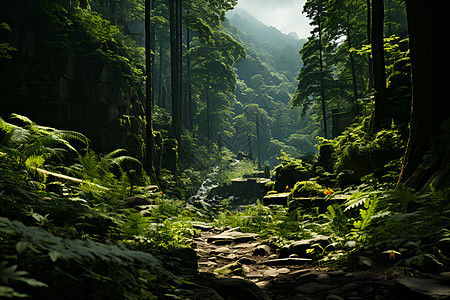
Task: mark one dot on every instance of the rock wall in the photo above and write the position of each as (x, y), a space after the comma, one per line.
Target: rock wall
(57, 86)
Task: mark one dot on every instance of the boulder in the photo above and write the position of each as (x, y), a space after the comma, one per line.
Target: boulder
(238, 289)
(300, 247)
(180, 259)
(406, 287)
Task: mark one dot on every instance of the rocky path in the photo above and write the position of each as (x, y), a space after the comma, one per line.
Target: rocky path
(233, 254)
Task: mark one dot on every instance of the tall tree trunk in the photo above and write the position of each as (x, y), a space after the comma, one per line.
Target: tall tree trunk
(322, 81)
(379, 72)
(161, 60)
(259, 143)
(369, 41)
(152, 53)
(389, 18)
(190, 113)
(208, 113)
(150, 143)
(175, 69)
(352, 65)
(180, 61)
(430, 97)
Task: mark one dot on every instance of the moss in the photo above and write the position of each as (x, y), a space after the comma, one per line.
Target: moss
(307, 189)
(288, 174)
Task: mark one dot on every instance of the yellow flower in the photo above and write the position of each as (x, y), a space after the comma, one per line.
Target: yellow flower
(392, 255)
(328, 192)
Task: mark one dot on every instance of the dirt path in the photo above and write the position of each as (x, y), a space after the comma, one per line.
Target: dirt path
(239, 255)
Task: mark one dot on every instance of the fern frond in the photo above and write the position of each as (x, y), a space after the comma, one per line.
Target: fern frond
(81, 252)
(73, 136)
(16, 136)
(119, 161)
(22, 118)
(358, 198)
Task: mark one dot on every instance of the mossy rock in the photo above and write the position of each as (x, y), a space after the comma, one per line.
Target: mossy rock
(307, 189)
(235, 269)
(287, 175)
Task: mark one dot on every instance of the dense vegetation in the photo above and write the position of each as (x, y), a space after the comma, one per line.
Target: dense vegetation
(115, 113)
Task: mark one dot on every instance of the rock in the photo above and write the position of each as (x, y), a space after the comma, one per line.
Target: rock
(222, 250)
(262, 250)
(231, 256)
(425, 263)
(314, 287)
(350, 244)
(247, 261)
(275, 272)
(300, 247)
(230, 269)
(231, 229)
(323, 278)
(231, 237)
(208, 264)
(364, 263)
(206, 293)
(285, 261)
(346, 288)
(277, 199)
(254, 275)
(244, 246)
(443, 277)
(202, 227)
(181, 258)
(334, 297)
(238, 289)
(406, 287)
(284, 252)
(336, 273)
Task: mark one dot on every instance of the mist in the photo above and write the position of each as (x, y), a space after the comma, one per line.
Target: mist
(285, 15)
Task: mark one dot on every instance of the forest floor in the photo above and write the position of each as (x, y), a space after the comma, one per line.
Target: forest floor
(234, 254)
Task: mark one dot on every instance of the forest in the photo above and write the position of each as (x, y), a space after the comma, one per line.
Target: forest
(177, 149)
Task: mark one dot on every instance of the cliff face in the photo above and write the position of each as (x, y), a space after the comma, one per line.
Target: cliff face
(60, 76)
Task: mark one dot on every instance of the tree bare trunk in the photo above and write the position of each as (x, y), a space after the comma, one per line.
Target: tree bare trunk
(425, 163)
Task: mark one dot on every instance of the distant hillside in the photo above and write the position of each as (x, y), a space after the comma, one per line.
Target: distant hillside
(265, 44)
(264, 89)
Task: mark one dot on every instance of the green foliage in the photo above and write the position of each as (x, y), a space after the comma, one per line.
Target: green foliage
(358, 152)
(290, 171)
(274, 223)
(94, 266)
(5, 48)
(31, 145)
(307, 189)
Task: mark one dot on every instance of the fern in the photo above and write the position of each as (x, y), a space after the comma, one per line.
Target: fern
(33, 140)
(75, 251)
(359, 198)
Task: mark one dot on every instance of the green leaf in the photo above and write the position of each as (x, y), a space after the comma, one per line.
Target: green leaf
(54, 255)
(9, 292)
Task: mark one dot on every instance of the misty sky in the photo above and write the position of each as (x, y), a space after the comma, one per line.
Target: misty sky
(286, 15)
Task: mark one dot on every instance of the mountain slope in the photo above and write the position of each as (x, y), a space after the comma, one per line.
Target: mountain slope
(278, 50)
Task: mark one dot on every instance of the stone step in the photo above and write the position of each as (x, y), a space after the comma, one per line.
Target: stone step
(277, 199)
